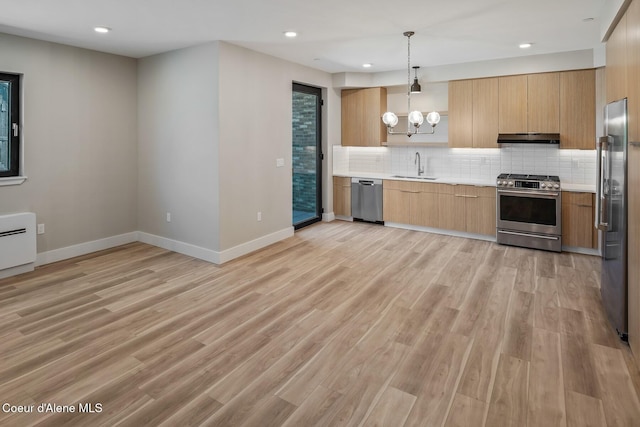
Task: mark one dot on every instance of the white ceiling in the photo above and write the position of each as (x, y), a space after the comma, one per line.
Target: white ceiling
(334, 35)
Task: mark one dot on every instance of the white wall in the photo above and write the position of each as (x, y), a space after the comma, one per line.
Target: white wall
(255, 130)
(178, 168)
(80, 141)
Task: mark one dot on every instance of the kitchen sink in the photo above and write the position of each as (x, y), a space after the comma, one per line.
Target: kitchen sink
(428, 178)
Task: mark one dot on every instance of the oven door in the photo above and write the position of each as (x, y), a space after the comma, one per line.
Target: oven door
(529, 211)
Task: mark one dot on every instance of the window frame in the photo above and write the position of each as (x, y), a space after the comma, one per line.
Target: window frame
(14, 140)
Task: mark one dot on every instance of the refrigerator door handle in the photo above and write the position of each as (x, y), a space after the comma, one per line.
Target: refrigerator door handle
(601, 204)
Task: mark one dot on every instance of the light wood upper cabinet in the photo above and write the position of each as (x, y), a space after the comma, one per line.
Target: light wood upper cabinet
(461, 113)
(530, 103)
(513, 104)
(543, 103)
(342, 196)
(362, 111)
(577, 109)
(485, 113)
(578, 219)
(617, 62)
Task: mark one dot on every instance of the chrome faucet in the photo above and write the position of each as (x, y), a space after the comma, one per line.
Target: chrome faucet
(417, 160)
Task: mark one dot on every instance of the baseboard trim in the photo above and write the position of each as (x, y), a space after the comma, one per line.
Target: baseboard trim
(180, 247)
(254, 245)
(205, 254)
(328, 217)
(85, 248)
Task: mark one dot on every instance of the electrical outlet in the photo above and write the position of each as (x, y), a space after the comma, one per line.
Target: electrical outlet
(279, 163)
(259, 216)
(168, 216)
(40, 228)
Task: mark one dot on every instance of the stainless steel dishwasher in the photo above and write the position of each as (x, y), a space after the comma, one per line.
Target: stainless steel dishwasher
(366, 199)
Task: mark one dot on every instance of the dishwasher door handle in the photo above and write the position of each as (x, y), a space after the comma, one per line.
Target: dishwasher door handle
(365, 182)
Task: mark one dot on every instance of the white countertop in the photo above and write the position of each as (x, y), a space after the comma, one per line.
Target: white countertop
(581, 188)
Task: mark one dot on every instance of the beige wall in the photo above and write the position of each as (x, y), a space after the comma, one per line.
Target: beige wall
(80, 141)
(178, 145)
(255, 130)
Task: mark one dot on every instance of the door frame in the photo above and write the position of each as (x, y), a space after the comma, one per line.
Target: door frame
(312, 90)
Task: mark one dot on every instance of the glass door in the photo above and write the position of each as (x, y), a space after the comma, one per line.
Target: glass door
(307, 155)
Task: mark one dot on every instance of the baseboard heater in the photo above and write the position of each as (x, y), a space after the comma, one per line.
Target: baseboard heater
(17, 240)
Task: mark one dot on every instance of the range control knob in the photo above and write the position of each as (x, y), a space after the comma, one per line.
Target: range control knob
(556, 186)
(543, 185)
(510, 183)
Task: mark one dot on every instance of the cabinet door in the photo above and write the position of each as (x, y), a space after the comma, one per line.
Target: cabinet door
(451, 207)
(361, 115)
(485, 113)
(397, 200)
(578, 109)
(480, 210)
(577, 219)
(513, 104)
(374, 106)
(617, 62)
(342, 196)
(426, 205)
(543, 103)
(461, 113)
(352, 105)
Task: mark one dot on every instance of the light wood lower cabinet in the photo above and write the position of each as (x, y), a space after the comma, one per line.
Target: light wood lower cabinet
(633, 256)
(480, 210)
(451, 207)
(408, 202)
(342, 196)
(578, 220)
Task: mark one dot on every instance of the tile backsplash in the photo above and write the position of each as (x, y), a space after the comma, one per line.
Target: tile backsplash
(573, 166)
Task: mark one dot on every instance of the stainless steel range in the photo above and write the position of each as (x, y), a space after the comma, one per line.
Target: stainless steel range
(529, 211)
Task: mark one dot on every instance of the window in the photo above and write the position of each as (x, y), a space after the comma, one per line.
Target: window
(9, 125)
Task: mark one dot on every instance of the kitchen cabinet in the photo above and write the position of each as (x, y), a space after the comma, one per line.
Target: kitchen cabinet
(578, 220)
(467, 208)
(631, 25)
(362, 111)
(513, 104)
(633, 69)
(342, 196)
(480, 210)
(485, 113)
(529, 103)
(543, 103)
(461, 113)
(451, 207)
(473, 113)
(617, 62)
(410, 202)
(577, 109)
(623, 80)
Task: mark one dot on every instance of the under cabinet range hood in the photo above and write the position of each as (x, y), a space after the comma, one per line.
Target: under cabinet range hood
(529, 138)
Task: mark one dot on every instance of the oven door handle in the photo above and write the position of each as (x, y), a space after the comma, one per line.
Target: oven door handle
(529, 193)
(537, 236)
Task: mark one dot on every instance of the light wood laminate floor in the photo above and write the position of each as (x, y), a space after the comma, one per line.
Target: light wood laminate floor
(342, 324)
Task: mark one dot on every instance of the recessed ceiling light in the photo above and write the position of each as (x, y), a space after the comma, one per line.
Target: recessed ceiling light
(525, 45)
(290, 34)
(367, 65)
(101, 30)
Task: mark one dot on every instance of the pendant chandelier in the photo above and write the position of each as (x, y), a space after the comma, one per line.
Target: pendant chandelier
(415, 118)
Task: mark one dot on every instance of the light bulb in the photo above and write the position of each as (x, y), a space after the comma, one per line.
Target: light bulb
(433, 118)
(390, 119)
(416, 118)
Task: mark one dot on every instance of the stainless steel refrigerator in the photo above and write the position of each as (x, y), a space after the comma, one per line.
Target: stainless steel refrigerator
(611, 214)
